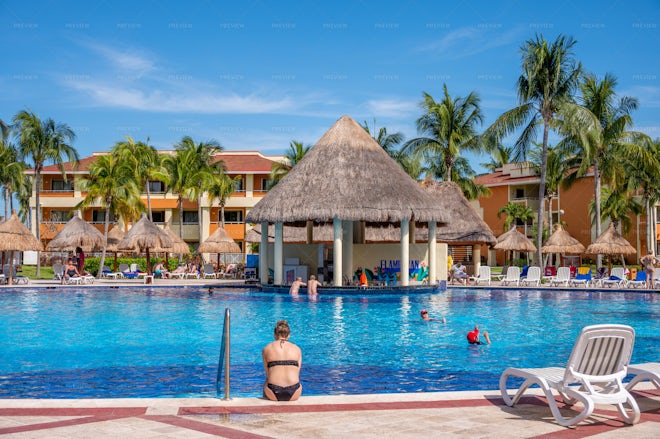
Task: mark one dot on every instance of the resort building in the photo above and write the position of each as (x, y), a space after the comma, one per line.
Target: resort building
(59, 196)
(519, 183)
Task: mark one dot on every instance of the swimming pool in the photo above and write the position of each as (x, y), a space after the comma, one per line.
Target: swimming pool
(93, 343)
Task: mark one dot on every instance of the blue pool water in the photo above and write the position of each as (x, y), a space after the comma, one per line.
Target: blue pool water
(94, 343)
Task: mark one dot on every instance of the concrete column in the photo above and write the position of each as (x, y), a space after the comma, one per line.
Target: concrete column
(277, 254)
(337, 252)
(433, 269)
(476, 258)
(405, 252)
(263, 254)
(347, 248)
(249, 185)
(413, 230)
(320, 260)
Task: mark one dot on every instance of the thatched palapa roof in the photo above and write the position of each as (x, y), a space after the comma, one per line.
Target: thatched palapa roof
(562, 242)
(77, 233)
(346, 175)
(219, 242)
(179, 246)
(513, 240)
(466, 226)
(14, 236)
(115, 235)
(145, 235)
(611, 242)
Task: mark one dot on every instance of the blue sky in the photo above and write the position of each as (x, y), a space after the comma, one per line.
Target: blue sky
(255, 74)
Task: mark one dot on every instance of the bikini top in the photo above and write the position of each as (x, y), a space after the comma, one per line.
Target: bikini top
(282, 363)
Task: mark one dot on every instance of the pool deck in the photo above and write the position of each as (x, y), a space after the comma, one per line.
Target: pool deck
(475, 414)
(411, 415)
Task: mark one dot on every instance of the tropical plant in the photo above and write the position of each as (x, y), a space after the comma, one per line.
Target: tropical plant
(603, 138)
(11, 173)
(112, 185)
(145, 162)
(449, 127)
(43, 142)
(388, 141)
(221, 187)
(188, 170)
(618, 205)
(499, 157)
(545, 92)
(515, 212)
(461, 174)
(294, 155)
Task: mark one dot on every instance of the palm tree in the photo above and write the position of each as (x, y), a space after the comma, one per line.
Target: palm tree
(603, 139)
(112, 184)
(461, 173)
(188, 168)
(43, 142)
(389, 142)
(294, 155)
(545, 91)
(144, 160)
(450, 127)
(221, 187)
(499, 157)
(515, 212)
(11, 173)
(617, 206)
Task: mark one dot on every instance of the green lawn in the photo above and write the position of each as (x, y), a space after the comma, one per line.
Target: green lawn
(30, 270)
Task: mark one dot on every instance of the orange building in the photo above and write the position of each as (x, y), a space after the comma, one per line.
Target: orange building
(59, 196)
(519, 183)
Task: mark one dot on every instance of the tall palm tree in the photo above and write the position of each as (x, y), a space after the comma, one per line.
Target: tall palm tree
(221, 187)
(112, 184)
(43, 142)
(603, 138)
(461, 173)
(449, 127)
(11, 173)
(187, 169)
(295, 154)
(388, 141)
(144, 160)
(545, 91)
(499, 157)
(618, 205)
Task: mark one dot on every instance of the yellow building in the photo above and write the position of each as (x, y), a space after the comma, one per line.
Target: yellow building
(58, 197)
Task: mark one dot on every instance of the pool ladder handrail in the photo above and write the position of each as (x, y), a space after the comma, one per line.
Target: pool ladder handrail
(224, 357)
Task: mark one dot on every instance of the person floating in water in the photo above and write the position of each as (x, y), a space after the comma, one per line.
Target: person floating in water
(425, 316)
(211, 290)
(473, 336)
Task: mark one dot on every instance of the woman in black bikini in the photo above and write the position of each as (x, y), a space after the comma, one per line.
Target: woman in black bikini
(282, 362)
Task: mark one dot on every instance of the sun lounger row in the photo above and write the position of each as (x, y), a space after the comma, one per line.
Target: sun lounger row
(593, 375)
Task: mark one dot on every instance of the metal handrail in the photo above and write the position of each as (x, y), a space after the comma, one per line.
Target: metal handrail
(224, 357)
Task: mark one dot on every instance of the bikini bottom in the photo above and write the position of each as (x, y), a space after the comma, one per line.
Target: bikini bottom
(283, 393)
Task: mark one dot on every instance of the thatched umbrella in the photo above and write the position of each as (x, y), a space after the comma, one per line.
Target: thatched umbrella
(14, 236)
(77, 233)
(115, 235)
(144, 235)
(219, 242)
(611, 242)
(466, 226)
(513, 240)
(348, 176)
(562, 242)
(179, 246)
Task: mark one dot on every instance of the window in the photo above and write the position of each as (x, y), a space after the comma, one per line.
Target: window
(158, 216)
(238, 184)
(520, 193)
(98, 216)
(60, 216)
(234, 216)
(265, 184)
(190, 217)
(156, 187)
(61, 185)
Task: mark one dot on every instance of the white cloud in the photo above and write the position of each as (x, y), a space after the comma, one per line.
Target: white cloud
(394, 108)
(472, 40)
(128, 59)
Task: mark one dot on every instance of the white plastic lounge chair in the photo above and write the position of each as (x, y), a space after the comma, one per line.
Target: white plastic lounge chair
(593, 375)
(17, 280)
(656, 278)
(533, 277)
(178, 273)
(583, 277)
(639, 281)
(617, 278)
(209, 272)
(230, 271)
(58, 271)
(192, 274)
(499, 277)
(643, 372)
(250, 274)
(563, 277)
(512, 276)
(483, 276)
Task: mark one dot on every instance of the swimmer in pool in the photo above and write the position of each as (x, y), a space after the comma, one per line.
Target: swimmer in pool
(425, 316)
(473, 336)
